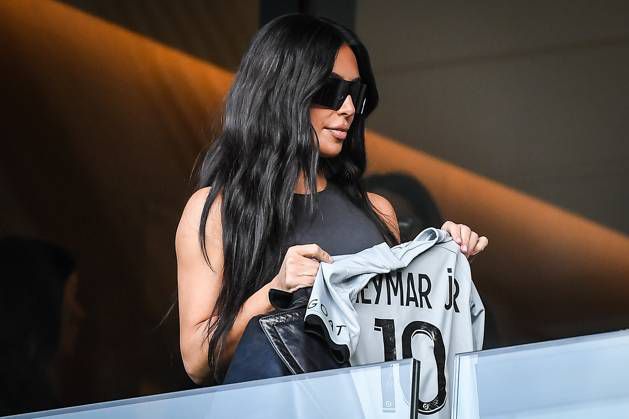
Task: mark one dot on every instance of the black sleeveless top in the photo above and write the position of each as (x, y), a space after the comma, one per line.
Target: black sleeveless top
(338, 227)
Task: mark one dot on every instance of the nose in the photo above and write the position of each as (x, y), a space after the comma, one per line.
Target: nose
(347, 108)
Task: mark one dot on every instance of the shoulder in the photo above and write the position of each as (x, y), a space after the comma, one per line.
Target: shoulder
(186, 237)
(191, 214)
(386, 210)
(381, 203)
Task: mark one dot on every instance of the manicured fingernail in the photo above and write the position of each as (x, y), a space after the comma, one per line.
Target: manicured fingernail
(464, 248)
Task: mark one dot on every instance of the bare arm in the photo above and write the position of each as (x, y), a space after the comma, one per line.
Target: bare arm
(199, 286)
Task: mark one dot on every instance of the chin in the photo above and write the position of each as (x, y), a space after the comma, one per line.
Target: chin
(329, 151)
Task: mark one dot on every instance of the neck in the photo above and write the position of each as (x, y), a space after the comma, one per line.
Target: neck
(302, 188)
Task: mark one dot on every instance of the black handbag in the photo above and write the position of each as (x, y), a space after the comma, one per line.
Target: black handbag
(301, 349)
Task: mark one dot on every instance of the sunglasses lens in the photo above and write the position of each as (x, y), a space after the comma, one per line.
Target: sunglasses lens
(330, 94)
(358, 91)
(333, 93)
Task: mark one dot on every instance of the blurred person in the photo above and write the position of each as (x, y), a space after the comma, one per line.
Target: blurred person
(40, 316)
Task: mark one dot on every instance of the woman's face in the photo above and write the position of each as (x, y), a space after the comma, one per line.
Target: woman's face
(324, 119)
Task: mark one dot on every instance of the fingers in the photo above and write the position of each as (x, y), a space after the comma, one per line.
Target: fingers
(469, 241)
(298, 265)
(453, 229)
(313, 251)
(465, 232)
(308, 267)
(301, 264)
(447, 227)
(480, 245)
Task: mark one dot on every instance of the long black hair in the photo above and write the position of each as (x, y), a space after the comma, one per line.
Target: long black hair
(267, 139)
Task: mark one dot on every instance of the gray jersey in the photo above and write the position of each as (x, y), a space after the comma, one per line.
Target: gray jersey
(416, 300)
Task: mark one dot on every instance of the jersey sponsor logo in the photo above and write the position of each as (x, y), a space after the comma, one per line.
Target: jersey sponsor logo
(316, 305)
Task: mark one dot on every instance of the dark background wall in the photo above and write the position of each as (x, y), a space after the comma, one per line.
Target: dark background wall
(530, 94)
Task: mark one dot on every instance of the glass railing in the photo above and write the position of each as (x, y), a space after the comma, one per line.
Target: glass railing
(372, 391)
(570, 378)
(584, 377)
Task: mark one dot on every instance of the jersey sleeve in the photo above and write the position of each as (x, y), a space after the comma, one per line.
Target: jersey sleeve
(477, 313)
(476, 307)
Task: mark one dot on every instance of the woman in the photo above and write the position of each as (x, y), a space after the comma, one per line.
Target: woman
(294, 122)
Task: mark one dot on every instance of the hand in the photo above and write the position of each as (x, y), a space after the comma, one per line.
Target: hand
(469, 241)
(299, 267)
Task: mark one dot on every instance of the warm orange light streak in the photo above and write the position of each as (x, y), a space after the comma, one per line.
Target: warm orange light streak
(542, 261)
(114, 61)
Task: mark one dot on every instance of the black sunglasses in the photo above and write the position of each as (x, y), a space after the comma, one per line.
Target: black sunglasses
(334, 91)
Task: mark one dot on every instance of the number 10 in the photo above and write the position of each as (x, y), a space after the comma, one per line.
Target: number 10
(387, 327)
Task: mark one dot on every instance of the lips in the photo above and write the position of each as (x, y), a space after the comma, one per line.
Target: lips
(337, 133)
